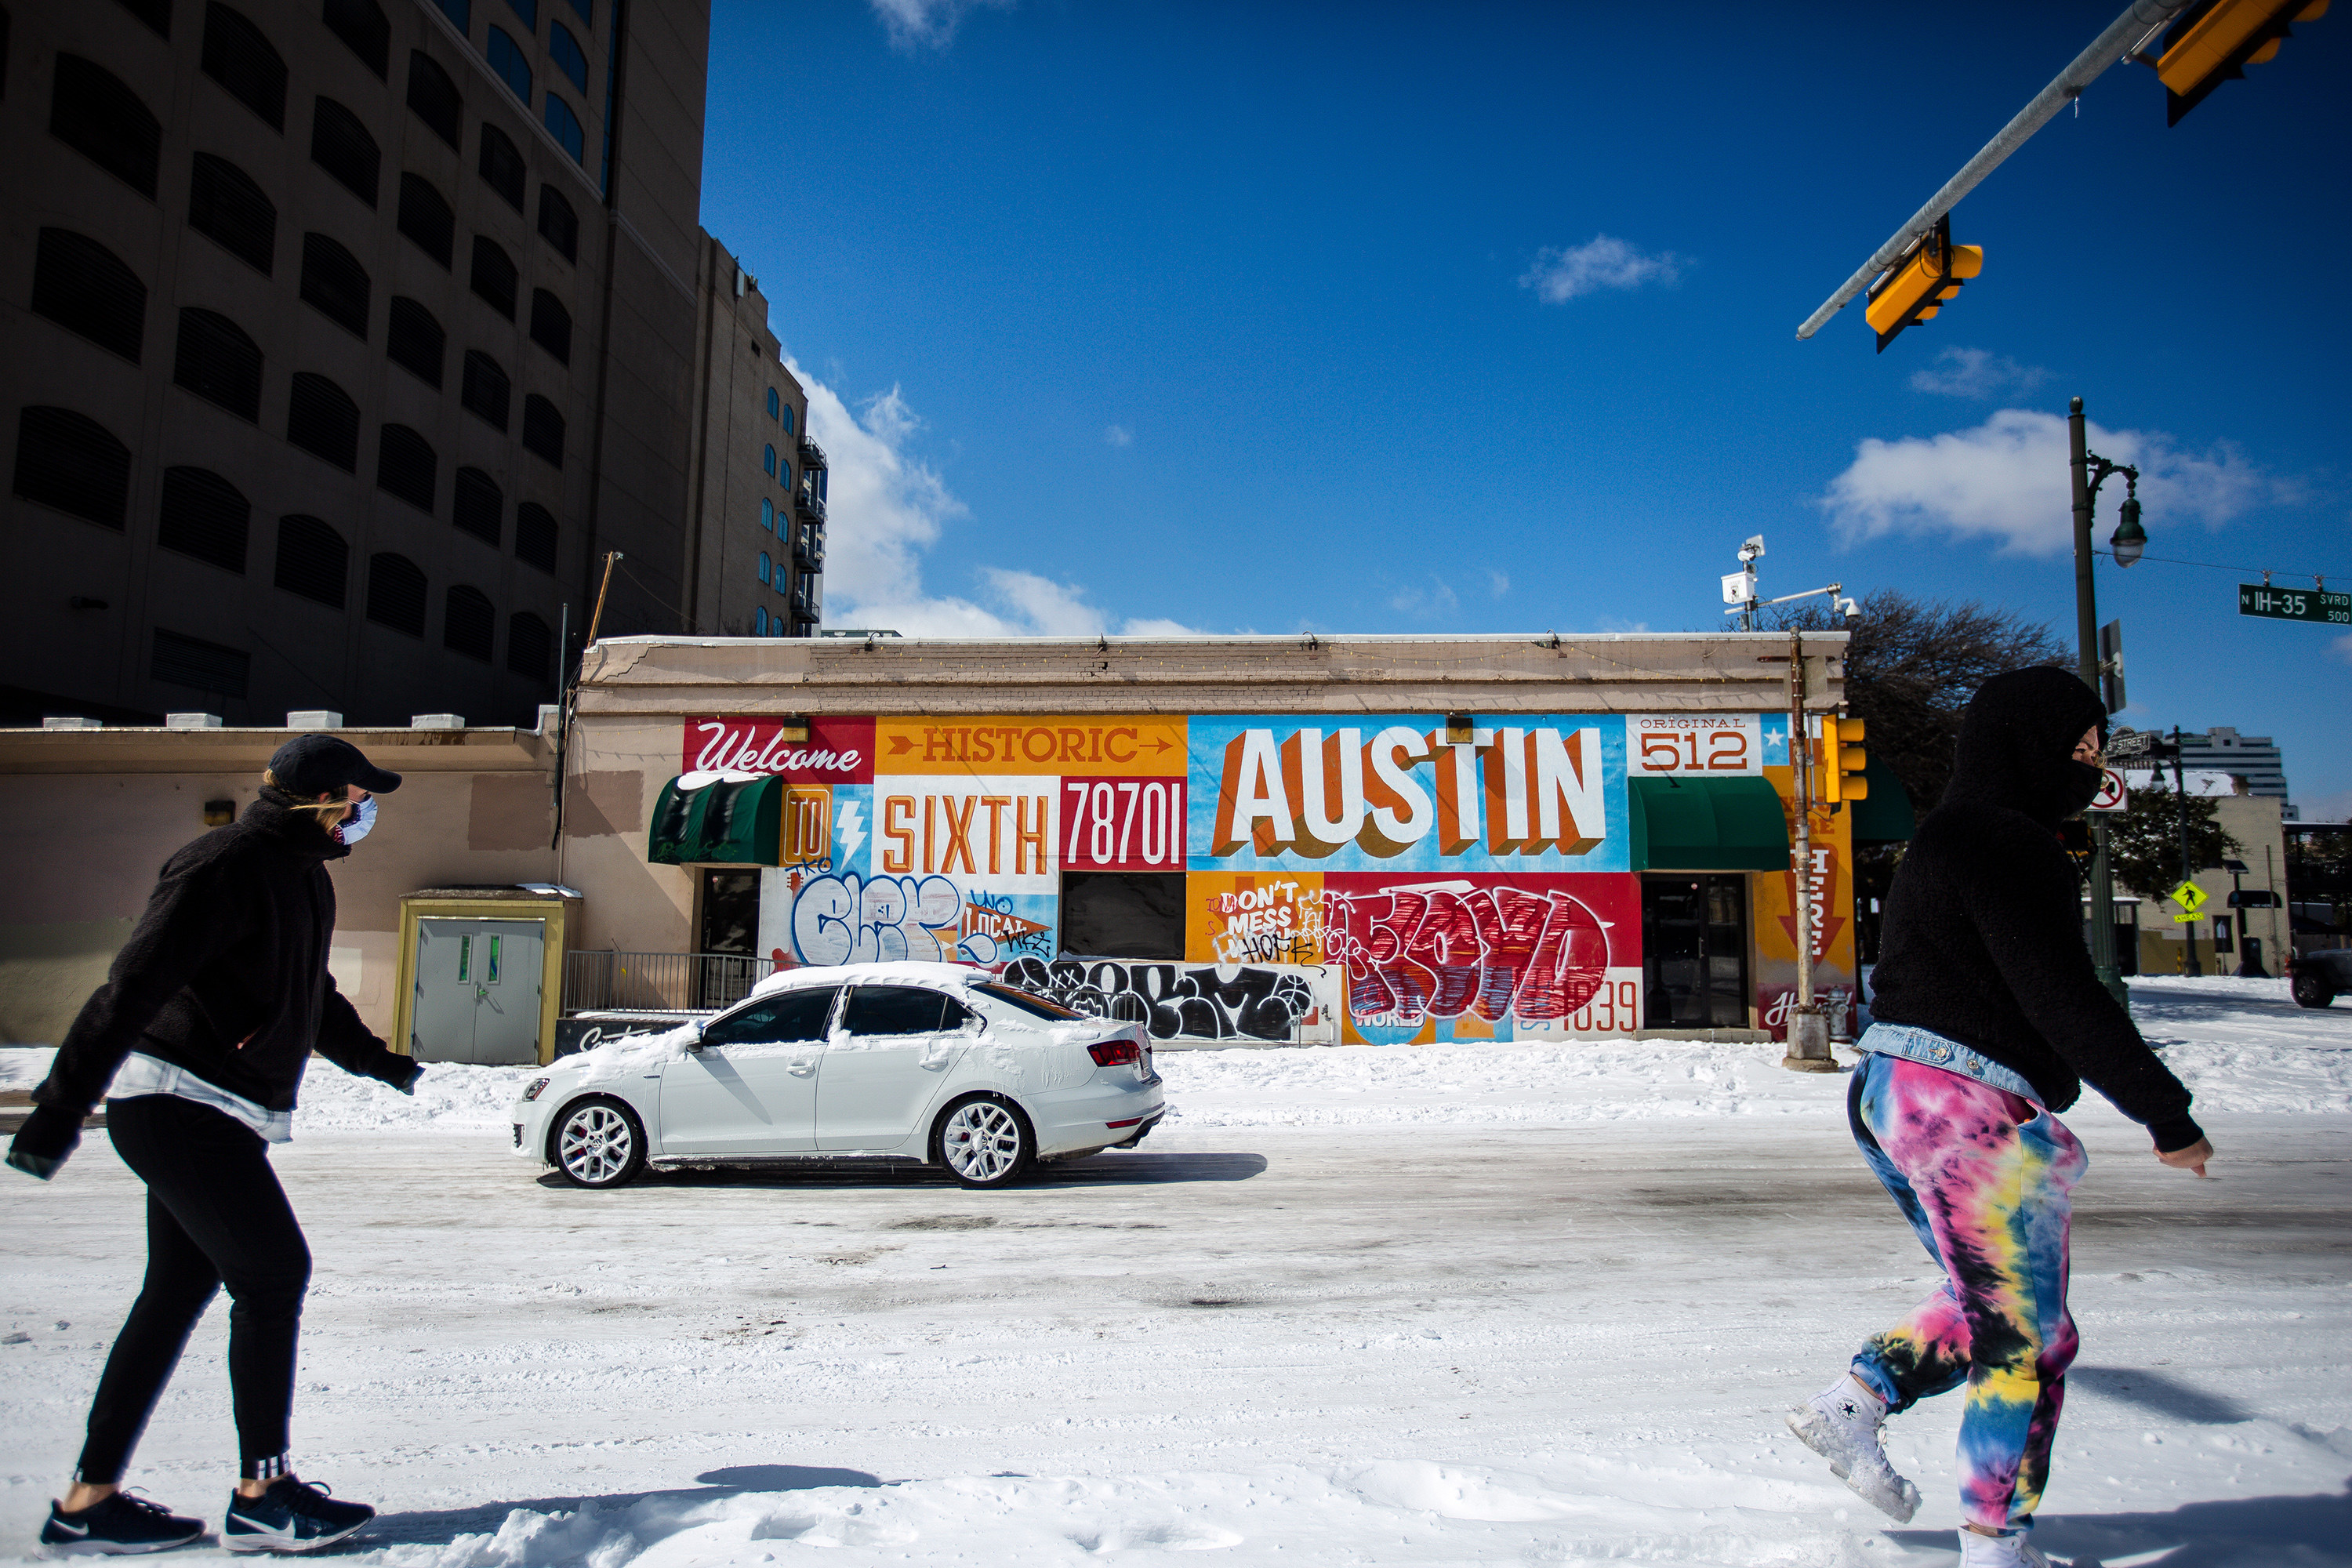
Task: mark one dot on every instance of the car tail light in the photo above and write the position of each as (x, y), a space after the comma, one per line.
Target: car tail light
(1116, 1053)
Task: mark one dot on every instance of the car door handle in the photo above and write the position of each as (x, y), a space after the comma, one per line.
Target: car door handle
(800, 1068)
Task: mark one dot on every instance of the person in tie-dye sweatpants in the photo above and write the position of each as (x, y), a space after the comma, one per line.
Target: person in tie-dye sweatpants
(1986, 1178)
(1989, 1019)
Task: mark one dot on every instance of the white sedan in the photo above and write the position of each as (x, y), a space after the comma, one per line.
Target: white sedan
(885, 1063)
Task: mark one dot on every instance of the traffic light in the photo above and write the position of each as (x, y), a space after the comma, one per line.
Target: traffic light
(2215, 40)
(1915, 287)
(1843, 760)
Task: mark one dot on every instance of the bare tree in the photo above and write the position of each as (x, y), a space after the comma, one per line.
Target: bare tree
(1912, 667)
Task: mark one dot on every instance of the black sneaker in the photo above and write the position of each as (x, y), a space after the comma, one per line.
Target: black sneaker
(118, 1523)
(290, 1516)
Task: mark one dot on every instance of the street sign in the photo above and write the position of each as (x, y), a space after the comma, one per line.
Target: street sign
(2111, 668)
(2295, 604)
(2189, 896)
(2111, 796)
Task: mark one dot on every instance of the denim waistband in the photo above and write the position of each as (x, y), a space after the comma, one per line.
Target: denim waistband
(1925, 1046)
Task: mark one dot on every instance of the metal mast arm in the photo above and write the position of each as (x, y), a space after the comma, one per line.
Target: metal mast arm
(2124, 38)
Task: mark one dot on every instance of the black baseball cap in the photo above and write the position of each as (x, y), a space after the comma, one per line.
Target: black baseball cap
(321, 764)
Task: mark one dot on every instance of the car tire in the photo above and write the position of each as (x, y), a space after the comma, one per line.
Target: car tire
(984, 1140)
(2310, 989)
(598, 1143)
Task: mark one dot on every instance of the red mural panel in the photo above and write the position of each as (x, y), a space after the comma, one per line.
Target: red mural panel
(1122, 824)
(1490, 945)
(837, 750)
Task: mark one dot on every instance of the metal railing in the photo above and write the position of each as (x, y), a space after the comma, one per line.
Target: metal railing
(600, 981)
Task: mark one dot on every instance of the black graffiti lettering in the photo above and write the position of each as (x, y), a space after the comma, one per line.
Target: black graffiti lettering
(1172, 1001)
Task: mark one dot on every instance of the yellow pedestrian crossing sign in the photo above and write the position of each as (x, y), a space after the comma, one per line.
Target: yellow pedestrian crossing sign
(2190, 898)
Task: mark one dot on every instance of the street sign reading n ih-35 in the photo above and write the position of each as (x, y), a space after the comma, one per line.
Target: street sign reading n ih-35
(2294, 605)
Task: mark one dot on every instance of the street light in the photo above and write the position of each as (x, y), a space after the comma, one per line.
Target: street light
(2129, 540)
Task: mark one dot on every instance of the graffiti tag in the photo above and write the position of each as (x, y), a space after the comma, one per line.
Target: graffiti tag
(1173, 1001)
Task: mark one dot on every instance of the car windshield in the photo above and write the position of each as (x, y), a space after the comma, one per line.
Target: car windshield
(1028, 1001)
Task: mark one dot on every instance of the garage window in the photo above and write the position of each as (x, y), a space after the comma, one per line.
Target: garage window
(1123, 914)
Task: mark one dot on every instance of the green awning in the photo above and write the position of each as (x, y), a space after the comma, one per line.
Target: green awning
(727, 823)
(1708, 824)
(1885, 814)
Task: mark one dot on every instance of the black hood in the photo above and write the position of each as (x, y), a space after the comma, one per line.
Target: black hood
(2017, 741)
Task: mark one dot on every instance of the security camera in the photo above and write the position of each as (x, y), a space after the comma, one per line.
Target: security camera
(1850, 610)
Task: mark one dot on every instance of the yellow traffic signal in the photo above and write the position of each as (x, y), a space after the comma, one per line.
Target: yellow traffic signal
(2215, 40)
(1843, 761)
(1915, 287)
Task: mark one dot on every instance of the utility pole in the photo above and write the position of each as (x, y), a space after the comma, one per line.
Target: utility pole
(2086, 636)
(571, 696)
(1809, 1030)
(2180, 805)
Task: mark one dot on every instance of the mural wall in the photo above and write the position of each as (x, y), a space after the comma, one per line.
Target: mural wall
(1378, 879)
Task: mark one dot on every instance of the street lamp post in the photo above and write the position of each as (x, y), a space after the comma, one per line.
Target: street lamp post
(2090, 471)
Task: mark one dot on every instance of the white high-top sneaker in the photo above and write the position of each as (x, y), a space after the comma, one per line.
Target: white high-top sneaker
(2016, 1551)
(1840, 1424)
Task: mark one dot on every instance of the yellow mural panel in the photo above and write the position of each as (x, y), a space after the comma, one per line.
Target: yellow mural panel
(1090, 745)
(1774, 909)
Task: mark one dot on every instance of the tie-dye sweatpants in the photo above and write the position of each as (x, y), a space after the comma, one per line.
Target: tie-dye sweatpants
(1985, 1178)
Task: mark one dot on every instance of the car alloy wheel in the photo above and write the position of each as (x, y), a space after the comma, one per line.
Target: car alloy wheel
(598, 1145)
(985, 1143)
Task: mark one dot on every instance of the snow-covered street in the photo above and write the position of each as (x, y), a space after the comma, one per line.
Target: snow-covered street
(1538, 1304)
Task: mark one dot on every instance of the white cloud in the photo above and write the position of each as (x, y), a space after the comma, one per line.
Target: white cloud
(1976, 373)
(913, 24)
(1118, 436)
(886, 508)
(2007, 480)
(1437, 599)
(2342, 648)
(1499, 582)
(1603, 262)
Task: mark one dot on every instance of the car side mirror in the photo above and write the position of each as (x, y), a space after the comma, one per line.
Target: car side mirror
(696, 1043)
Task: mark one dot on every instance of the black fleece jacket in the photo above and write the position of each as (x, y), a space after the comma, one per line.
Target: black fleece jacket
(226, 973)
(1982, 940)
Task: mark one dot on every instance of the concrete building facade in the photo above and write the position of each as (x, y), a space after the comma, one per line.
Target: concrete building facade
(338, 340)
(2254, 758)
(757, 557)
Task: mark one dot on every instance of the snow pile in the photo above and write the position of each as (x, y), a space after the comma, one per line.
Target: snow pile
(2240, 1045)
(1390, 1085)
(1394, 1510)
(450, 1098)
(2243, 1045)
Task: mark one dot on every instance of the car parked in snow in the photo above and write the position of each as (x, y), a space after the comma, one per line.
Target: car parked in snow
(2317, 978)
(882, 1063)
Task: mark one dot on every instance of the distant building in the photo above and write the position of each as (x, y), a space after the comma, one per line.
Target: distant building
(2253, 758)
(338, 340)
(757, 555)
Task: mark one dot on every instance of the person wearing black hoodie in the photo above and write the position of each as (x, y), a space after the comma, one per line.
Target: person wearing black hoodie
(198, 1041)
(1988, 1019)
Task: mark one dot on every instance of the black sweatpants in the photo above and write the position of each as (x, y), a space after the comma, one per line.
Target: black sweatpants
(215, 1215)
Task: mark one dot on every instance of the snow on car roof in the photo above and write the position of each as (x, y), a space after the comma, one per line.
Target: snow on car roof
(904, 973)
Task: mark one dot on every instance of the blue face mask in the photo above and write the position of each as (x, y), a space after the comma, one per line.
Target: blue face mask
(359, 826)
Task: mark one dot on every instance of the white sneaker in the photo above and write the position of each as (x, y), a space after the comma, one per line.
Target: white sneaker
(2016, 1551)
(1840, 1424)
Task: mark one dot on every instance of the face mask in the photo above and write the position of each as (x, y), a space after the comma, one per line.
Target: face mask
(358, 826)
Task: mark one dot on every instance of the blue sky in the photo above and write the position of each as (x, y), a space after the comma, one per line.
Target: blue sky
(1122, 315)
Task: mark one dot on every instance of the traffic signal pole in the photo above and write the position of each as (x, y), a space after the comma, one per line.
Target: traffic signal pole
(2126, 35)
(2086, 666)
